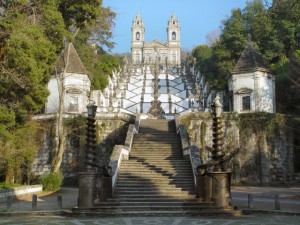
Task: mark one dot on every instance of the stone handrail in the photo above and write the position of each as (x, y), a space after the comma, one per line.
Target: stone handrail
(121, 152)
(189, 151)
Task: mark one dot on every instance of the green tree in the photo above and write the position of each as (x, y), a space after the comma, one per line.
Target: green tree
(31, 38)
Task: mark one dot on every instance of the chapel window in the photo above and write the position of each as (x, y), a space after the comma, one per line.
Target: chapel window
(246, 103)
(73, 104)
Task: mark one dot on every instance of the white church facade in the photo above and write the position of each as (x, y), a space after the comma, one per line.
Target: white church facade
(154, 51)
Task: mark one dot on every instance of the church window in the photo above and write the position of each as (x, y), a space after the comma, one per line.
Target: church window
(73, 104)
(137, 58)
(137, 36)
(246, 103)
(174, 58)
(173, 36)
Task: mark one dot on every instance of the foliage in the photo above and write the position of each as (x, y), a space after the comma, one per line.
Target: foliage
(33, 33)
(79, 13)
(18, 153)
(274, 32)
(7, 185)
(262, 122)
(52, 181)
(76, 126)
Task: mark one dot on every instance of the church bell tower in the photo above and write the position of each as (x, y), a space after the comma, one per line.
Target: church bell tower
(173, 42)
(138, 39)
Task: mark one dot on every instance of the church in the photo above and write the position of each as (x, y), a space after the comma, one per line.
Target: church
(168, 52)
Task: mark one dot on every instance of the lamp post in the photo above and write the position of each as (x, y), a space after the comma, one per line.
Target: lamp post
(220, 177)
(218, 151)
(87, 179)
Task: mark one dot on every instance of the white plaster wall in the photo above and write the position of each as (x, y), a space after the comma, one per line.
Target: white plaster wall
(244, 82)
(265, 95)
(53, 98)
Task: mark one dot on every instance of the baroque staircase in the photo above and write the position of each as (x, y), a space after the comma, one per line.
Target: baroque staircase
(156, 180)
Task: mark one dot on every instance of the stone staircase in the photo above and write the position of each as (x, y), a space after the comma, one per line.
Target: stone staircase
(156, 180)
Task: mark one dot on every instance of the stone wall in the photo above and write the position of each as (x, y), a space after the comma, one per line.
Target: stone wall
(265, 156)
(111, 130)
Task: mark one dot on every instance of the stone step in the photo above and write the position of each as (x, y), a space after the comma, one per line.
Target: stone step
(161, 190)
(155, 147)
(159, 161)
(147, 182)
(157, 195)
(156, 154)
(166, 202)
(157, 137)
(156, 181)
(148, 163)
(154, 157)
(157, 143)
(155, 199)
(164, 184)
(155, 213)
(154, 170)
(150, 160)
(155, 174)
(156, 177)
(154, 131)
(161, 136)
(154, 207)
(144, 185)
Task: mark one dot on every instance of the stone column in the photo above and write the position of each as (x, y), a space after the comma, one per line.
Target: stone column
(221, 189)
(87, 189)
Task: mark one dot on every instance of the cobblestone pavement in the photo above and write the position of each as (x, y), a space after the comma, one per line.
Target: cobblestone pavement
(244, 220)
(263, 199)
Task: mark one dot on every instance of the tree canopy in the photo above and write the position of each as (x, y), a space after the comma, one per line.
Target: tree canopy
(32, 36)
(275, 32)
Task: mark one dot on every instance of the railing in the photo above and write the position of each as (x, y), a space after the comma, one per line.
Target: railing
(121, 152)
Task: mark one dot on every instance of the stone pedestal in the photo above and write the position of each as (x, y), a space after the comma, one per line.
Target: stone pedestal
(104, 188)
(221, 194)
(87, 189)
(204, 188)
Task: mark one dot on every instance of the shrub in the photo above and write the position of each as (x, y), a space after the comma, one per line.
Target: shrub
(52, 181)
(8, 185)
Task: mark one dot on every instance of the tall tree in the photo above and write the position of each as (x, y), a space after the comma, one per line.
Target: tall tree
(32, 36)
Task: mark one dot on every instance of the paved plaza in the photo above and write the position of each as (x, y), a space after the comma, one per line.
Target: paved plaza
(21, 213)
(244, 220)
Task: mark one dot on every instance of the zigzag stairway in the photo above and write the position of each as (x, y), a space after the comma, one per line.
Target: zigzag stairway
(156, 180)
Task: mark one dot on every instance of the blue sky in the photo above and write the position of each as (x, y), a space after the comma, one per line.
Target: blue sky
(197, 18)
